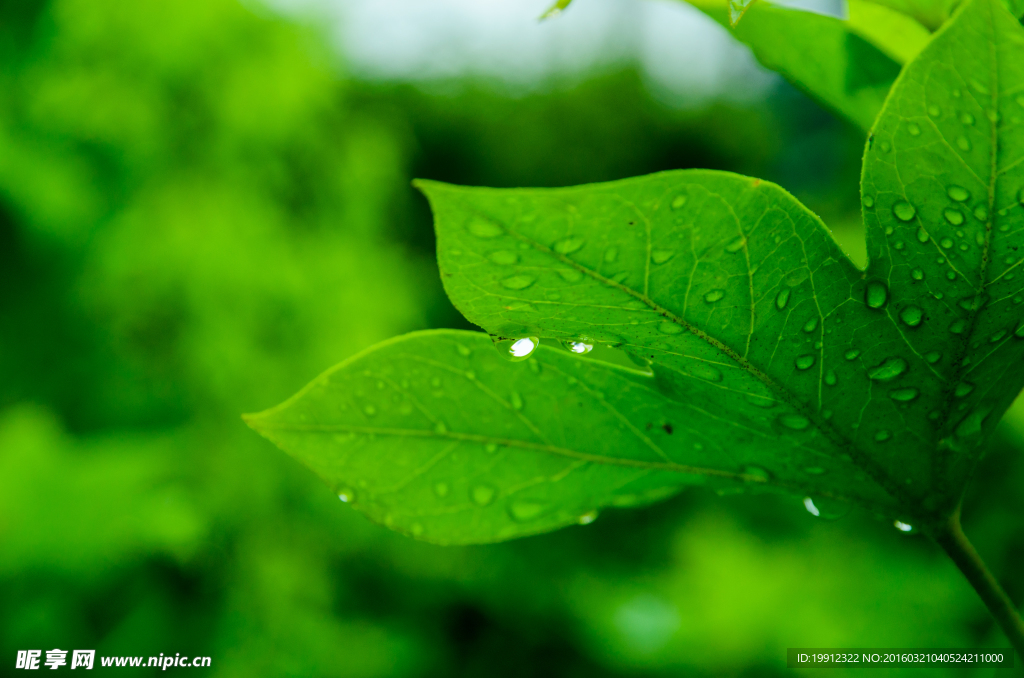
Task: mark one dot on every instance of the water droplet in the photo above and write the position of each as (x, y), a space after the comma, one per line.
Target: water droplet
(369, 410)
(441, 489)
(981, 213)
(934, 111)
(782, 299)
(963, 389)
(463, 350)
(516, 400)
(904, 394)
(830, 378)
(523, 511)
(577, 347)
(587, 518)
(518, 282)
(851, 354)
(678, 202)
(882, 436)
(794, 422)
(967, 118)
(482, 495)
(933, 357)
(569, 245)
(902, 527)
(811, 508)
(737, 244)
(516, 350)
(904, 211)
(704, 371)
(914, 129)
(669, 328)
(714, 295)
(869, 202)
(570, 275)
(483, 228)
(953, 216)
(958, 193)
(804, 362)
(491, 448)
(347, 494)
(503, 257)
(756, 473)
(963, 143)
(611, 254)
(912, 316)
(888, 369)
(946, 243)
(917, 274)
(922, 235)
(811, 325)
(661, 256)
(876, 294)
(998, 336)
(950, 275)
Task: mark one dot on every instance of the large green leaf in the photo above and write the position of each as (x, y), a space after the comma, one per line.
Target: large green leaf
(770, 360)
(435, 435)
(847, 72)
(943, 188)
(930, 13)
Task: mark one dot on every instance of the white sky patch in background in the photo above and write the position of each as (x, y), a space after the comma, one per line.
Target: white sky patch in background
(684, 57)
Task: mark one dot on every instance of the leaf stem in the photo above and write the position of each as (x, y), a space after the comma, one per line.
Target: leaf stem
(950, 536)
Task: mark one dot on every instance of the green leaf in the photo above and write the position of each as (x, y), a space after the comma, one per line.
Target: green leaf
(898, 35)
(435, 435)
(943, 188)
(929, 13)
(847, 73)
(555, 9)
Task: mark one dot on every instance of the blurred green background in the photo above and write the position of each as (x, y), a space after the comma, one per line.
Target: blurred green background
(200, 211)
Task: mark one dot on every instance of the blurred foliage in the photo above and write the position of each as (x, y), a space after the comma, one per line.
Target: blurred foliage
(199, 213)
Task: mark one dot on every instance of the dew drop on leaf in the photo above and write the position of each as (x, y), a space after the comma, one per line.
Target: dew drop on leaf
(882, 436)
(933, 357)
(851, 354)
(888, 369)
(611, 254)
(997, 336)
(491, 448)
(441, 489)
(347, 494)
(568, 245)
(904, 395)
(946, 243)
(922, 235)
(661, 256)
(587, 518)
(811, 325)
(981, 213)
(440, 428)
(678, 201)
(516, 401)
(869, 202)
(705, 372)
(782, 299)
(503, 257)
(794, 422)
(524, 511)
(958, 193)
(518, 282)
(577, 347)
(482, 495)
(668, 327)
(757, 473)
(950, 275)
(967, 119)
(876, 294)
(463, 350)
(570, 275)
(811, 507)
(963, 389)
(903, 527)
(963, 143)
(736, 245)
(516, 350)
(714, 295)
(934, 111)
(830, 378)
(912, 316)
(904, 211)
(917, 274)
(804, 362)
(914, 129)
(483, 228)
(369, 410)
(953, 216)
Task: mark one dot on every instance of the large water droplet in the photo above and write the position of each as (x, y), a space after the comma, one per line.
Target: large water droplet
(714, 295)
(869, 201)
(981, 213)
(518, 282)
(804, 362)
(902, 527)
(904, 395)
(912, 316)
(933, 357)
(482, 495)
(888, 370)
(782, 298)
(830, 378)
(483, 228)
(876, 294)
(794, 422)
(904, 211)
(811, 325)
(668, 327)
(946, 243)
(347, 494)
(661, 256)
(523, 511)
(958, 193)
(953, 216)
(917, 274)
(569, 245)
(577, 347)
(678, 201)
(503, 257)
(516, 350)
